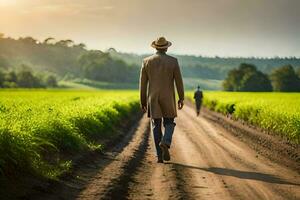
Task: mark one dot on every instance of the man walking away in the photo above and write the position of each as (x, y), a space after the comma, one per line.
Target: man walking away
(198, 95)
(157, 95)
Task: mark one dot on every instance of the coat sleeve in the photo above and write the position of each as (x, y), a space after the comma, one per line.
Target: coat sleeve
(178, 81)
(143, 86)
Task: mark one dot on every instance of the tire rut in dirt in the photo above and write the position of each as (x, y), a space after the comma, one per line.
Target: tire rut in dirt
(119, 187)
(181, 183)
(154, 180)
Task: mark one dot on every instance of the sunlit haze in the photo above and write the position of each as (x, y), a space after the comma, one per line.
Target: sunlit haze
(215, 27)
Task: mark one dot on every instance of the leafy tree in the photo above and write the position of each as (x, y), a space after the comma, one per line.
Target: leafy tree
(2, 76)
(233, 80)
(65, 43)
(256, 82)
(51, 81)
(3, 63)
(28, 40)
(69, 42)
(47, 40)
(285, 79)
(247, 78)
(111, 50)
(11, 77)
(247, 68)
(26, 79)
(7, 84)
(298, 72)
(102, 67)
(80, 45)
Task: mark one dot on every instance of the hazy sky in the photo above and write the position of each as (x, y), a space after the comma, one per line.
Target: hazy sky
(207, 27)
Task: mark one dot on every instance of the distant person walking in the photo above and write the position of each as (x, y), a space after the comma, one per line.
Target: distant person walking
(157, 94)
(198, 96)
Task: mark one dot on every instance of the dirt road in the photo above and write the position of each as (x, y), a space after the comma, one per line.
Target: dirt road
(210, 163)
(207, 162)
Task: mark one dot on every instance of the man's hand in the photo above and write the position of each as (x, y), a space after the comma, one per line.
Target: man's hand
(180, 104)
(144, 108)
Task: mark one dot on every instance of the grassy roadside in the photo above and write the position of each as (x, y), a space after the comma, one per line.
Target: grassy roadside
(274, 112)
(41, 130)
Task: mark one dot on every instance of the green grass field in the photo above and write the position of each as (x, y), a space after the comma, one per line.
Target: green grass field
(84, 84)
(274, 112)
(38, 127)
(206, 84)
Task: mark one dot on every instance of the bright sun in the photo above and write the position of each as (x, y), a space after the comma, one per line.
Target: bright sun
(8, 2)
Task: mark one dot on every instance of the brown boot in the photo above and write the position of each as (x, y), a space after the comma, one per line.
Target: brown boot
(165, 151)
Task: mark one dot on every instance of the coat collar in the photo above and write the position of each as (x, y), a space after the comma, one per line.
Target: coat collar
(160, 53)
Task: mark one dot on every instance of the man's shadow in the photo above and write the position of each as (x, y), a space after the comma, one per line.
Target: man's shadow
(238, 174)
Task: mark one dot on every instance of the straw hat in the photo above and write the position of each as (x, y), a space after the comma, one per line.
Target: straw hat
(161, 43)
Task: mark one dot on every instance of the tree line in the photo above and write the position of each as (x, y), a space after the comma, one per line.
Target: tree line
(26, 78)
(214, 67)
(65, 59)
(247, 78)
(99, 66)
(69, 60)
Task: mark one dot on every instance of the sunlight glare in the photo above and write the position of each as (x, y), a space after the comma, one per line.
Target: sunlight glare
(7, 2)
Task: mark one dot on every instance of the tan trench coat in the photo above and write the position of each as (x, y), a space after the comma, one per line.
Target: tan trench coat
(157, 77)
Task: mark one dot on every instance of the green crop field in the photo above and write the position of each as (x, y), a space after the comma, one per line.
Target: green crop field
(274, 112)
(40, 128)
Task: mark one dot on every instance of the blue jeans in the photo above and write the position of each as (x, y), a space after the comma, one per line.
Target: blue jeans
(169, 125)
